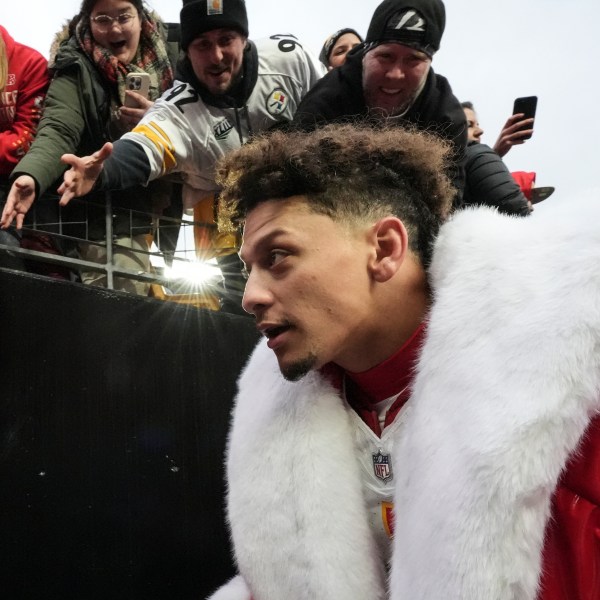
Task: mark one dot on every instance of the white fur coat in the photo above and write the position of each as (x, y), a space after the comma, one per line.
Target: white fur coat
(508, 379)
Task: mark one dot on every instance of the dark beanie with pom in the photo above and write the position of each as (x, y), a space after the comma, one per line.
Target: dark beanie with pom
(199, 16)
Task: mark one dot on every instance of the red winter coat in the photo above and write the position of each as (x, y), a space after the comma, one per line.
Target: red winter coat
(572, 550)
(20, 101)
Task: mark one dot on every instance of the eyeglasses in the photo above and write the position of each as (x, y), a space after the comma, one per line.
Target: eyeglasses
(105, 22)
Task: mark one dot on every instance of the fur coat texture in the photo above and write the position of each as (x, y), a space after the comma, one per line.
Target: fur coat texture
(507, 382)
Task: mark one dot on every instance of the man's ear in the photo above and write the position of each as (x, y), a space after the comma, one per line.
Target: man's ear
(390, 244)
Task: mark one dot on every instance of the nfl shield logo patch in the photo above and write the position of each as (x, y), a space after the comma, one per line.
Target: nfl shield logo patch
(382, 466)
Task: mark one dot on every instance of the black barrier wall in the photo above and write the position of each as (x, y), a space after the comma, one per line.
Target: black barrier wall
(113, 418)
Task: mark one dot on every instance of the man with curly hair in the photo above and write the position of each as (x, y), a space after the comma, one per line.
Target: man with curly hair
(420, 395)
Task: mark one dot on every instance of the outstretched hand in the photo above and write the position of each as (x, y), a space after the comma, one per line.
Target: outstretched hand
(512, 135)
(81, 177)
(18, 202)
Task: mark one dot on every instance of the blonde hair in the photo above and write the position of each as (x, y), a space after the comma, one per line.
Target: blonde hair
(3, 64)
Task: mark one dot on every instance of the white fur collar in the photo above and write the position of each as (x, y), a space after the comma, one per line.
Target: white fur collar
(294, 481)
(508, 378)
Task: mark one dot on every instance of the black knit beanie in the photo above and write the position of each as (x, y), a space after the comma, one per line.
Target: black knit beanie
(415, 23)
(331, 41)
(198, 16)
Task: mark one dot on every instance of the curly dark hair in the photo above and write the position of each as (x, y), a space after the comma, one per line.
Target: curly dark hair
(351, 172)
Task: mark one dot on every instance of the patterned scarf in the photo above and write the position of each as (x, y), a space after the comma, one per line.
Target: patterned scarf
(151, 57)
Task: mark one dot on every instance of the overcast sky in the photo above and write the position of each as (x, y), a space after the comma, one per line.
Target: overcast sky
(492, 51)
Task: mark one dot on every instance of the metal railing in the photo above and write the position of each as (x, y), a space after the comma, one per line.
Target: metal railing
(170, 244)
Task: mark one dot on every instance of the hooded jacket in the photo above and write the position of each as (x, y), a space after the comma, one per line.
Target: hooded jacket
(507, 383)
(339, 97)
(188, 129)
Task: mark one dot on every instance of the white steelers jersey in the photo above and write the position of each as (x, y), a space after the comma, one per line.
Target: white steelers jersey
(375, 458)
(182, 134)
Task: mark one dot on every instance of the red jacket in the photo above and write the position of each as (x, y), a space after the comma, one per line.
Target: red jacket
(21, 100)
(525, 180)
(572, 551)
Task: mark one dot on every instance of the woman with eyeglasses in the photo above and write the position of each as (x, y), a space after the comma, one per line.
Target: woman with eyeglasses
(84, 108)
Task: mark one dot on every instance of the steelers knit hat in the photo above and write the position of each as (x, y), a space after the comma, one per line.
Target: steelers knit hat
(415, 23)
(198, 16)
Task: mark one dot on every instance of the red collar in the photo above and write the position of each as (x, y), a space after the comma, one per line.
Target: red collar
(393, 376)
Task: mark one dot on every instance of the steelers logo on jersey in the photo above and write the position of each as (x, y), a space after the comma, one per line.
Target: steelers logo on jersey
(277, 102)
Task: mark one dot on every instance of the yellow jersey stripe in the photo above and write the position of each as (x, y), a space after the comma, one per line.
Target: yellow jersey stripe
(162, 142)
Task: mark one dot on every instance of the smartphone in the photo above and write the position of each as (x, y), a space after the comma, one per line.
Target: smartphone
(137, 82)
(526, 105)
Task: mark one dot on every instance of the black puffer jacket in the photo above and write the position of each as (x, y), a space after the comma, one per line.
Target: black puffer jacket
(488, 181)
